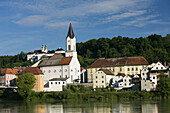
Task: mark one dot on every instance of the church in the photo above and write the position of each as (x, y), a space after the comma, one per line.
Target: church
(63, 65)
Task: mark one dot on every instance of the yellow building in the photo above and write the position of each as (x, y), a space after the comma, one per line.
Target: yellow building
(126, 65)
(39, 85)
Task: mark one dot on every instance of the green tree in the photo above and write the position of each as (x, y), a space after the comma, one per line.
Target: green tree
(163, 86)
(25, 84)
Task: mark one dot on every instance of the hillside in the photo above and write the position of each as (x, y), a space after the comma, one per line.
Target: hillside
(154, 48)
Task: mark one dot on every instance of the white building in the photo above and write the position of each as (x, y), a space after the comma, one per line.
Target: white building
(38, 54)
(127, 82)
(55, 84)
(63, 64)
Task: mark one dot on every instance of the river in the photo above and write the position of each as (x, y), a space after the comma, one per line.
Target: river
(137, 106)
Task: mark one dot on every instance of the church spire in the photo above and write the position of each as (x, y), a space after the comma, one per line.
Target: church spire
(70, 32)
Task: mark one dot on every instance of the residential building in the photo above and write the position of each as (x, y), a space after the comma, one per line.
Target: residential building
(8, 74)
(102, 78)
(39, 84)
(118, 81)
(127, 82)
(63, 64)
(126, 65)
(55, 84)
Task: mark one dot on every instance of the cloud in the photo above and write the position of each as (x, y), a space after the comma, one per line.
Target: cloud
(141, 21)
(32, 20)
(74, 10)
(125, 15)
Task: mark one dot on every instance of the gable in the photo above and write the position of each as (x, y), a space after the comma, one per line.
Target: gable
(158, 66)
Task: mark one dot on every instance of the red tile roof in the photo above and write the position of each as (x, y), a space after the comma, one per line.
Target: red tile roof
(123, 61)
(33, 70)
(106, 71)
(10, 71)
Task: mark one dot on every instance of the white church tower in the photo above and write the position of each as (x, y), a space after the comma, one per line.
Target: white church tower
(71, 43)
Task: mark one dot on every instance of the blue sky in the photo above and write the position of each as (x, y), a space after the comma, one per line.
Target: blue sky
(27, 24)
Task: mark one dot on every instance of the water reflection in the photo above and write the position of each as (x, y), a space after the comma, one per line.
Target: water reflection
(100, 107)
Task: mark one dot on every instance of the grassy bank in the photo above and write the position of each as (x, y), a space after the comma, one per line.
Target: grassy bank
(80, 93)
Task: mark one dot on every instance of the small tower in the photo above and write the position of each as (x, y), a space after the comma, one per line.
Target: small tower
(45, 50)
(71, 43)
(42, 48)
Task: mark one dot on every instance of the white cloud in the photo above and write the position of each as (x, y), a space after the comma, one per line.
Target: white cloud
(32, 20)
(125, 15)
(49, 13)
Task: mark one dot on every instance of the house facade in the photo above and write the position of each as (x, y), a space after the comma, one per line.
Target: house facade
(39, 84)
(7, 75)
(126, 65)
(55, 84)
(101, 78)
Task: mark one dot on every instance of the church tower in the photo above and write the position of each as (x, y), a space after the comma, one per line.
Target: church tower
(71, 43)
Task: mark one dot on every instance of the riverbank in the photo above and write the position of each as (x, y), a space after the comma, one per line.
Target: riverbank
(81, 93)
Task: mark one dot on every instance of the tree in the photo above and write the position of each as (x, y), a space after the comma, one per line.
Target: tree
(25, 84)
(163, 86)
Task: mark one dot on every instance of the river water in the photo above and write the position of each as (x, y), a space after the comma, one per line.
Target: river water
(137, 106)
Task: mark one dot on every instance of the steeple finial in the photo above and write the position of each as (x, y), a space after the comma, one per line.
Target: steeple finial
(70, 32)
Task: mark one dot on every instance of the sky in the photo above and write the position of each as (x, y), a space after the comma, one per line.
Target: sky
(27, 24)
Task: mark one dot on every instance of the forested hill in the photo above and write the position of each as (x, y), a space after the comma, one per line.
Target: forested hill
(154, 48)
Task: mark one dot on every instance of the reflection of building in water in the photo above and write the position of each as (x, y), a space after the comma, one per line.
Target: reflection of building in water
(101, 108)
(149, 108)
(57, 108)
(39, 108)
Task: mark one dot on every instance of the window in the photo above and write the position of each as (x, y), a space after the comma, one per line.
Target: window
(49, 71)
(35, 86)
(129, 84)
(96, 81)
(12, 76)
(54, 71)
(120, 69)
(71, 70)
(102, 86)
(129, 80)
(40, 76)
(96, 69)
(69, 47)
(153, 77)
(60, 70)
(102, 76)
(58, 82)
(143, 74)
(102, 81)
(51, 82)
(96, 86)
(128, 69)
(113, 69)
(125, 84)
(96, 76)
(161, 67)
(65, 70)
(55, 82)
(66, 76)
(44, 71)
(78, 70)
(60, 76)
(91, 70)
(63, 82)
(8, 77)
(125, 80)
(156, 67)
(136, 68)
(109, 68)
(132, 69)
(145, 84)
